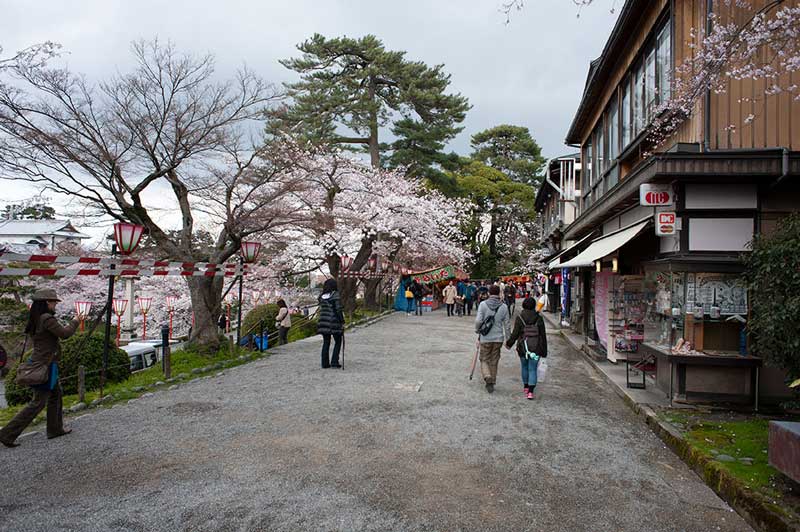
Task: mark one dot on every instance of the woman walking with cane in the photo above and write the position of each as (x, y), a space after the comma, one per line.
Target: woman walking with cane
(331, 323)
(46, 332)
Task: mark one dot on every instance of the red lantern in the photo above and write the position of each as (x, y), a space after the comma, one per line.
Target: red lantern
(82, 309)
(144, 307)
(127, 237)
(250, 251)
(119, 306)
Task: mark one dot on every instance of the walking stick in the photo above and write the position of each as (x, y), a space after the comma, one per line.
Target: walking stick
(475, 360)
(343, 346)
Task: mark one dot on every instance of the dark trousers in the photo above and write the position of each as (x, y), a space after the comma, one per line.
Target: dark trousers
(468, 304)
(283, 335)
(450, 307)
(418, 302)
(409, 304)
(41, 398)
(326, 348)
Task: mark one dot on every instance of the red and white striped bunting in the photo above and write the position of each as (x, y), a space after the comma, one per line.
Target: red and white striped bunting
(128, 262)
(145, 272)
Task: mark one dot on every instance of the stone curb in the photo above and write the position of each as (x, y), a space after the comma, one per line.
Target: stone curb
(758, 512)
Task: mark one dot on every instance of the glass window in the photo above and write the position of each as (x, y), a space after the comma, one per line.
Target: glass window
(601, 152)
(650, 86)
(587, 165)
(664, 64)
(613, 131)
(626, 113)
(638, 96)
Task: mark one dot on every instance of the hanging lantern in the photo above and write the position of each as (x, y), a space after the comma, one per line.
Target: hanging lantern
(144, 304)
(119, 306)
(82, 309)
(127, 237)
(250, 251)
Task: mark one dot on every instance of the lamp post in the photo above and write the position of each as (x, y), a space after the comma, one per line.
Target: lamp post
(248, 253)
(82, 309)
(171, 311)
(144, 308)
(126, 239)
(119, 309)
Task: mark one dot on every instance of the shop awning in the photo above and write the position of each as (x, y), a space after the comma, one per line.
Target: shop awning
(606, 245)
(555, 262)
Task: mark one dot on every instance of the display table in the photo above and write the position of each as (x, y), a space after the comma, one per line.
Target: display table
(710, 375)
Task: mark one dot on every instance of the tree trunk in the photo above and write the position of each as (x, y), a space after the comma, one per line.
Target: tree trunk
(493, 236)
(206, 295)
(371, 300)
(374, 147)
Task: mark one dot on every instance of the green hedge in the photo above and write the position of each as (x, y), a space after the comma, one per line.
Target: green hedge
(267, 313)
(301, 330)
(90, 357)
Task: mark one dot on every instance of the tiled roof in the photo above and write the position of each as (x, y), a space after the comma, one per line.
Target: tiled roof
(39, 227)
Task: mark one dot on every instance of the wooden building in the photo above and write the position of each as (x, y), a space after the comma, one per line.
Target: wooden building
(729, 171)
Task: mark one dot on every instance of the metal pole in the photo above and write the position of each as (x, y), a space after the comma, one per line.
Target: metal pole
(165, 352)
(109, 305)
(239, 324)
(261, 336)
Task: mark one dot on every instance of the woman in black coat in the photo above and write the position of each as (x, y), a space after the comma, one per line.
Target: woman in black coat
(531, 337)
(331, 323)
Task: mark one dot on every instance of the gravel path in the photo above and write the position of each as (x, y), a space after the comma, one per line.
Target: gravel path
(280, 444)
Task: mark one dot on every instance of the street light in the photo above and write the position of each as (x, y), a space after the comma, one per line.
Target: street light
(119, 309)
(247, 254)
(144, 307)
(82, 309)
(126, 239)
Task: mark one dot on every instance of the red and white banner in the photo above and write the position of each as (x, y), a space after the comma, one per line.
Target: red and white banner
(147, 272)
(132, 263)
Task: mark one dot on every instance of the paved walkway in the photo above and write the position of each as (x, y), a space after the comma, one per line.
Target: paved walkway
(280, 444)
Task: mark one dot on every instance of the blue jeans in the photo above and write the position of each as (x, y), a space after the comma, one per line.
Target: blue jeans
(528, 366)
(409, 304)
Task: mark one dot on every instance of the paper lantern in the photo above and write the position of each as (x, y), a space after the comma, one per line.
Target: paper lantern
(127, 237)
(119, 306)
(250, 251)
(144, 304)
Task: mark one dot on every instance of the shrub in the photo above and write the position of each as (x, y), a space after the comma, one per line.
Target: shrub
(267, 313)
(301, 328)
(773, 274)
(75, 353)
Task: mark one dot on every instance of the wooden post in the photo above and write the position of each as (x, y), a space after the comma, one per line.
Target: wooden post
(165, 352)
(81, 384)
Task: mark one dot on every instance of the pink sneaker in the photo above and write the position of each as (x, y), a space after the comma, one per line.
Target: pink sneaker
(525, 391)
(529, 394)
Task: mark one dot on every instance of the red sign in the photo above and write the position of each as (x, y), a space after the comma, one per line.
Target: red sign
(665, 223)
(655, 195)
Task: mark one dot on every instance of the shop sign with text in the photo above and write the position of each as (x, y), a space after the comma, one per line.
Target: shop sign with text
(651, 195)
(665, 223)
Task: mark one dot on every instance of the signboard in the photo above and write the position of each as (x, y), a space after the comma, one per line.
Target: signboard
(665, 224)
(435, 276)
(651, 195)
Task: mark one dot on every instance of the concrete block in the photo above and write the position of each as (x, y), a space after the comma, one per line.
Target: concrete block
(784, 448)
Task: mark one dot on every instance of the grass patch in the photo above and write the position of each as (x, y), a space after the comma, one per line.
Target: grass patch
(741, 437)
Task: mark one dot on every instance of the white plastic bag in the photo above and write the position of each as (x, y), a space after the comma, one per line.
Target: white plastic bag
(541, 370)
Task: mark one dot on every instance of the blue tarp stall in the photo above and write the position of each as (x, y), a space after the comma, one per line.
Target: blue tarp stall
(400, 302)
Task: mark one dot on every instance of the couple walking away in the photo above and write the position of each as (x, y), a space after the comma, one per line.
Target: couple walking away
(491, 324)
(45, 332)
(331, 323)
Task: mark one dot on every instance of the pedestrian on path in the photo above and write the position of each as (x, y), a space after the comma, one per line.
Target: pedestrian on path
(449, 295)
(45, 331)
(510, 295)
(491, 324)
(531, 338)
(470, 293)
(409, 300)
(331, 323)
(419, 293)
(283, 321)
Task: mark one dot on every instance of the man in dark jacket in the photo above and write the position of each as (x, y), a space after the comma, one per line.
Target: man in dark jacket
(531, 337)
(418, 292)
(331, 323)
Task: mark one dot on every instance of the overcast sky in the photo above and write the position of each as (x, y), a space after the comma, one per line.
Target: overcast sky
(530, 72)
